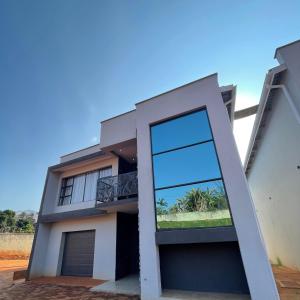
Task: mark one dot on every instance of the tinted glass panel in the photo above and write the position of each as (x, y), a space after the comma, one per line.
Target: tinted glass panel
(186, 130)
(189, 189)
(187, 165)
(197, 205)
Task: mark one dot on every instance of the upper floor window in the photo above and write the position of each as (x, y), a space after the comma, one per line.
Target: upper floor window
(189, 189)
(81, 188)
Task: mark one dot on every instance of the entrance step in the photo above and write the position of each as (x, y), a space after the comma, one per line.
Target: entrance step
(129, 285)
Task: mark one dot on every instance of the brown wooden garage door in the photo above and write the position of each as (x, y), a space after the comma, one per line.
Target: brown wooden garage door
(78, 256)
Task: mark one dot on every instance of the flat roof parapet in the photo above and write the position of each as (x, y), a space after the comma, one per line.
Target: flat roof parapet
(80, 153)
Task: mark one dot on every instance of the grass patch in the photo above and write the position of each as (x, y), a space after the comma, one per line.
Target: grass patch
(192, 224)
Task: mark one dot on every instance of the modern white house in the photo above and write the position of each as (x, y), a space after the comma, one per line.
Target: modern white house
(163, 197)
(273, 160)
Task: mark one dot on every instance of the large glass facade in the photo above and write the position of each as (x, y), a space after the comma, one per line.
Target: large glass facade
(189, 189)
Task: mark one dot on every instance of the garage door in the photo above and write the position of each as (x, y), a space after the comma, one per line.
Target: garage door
(78, 257)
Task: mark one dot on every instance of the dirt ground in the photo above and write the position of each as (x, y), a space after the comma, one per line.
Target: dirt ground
(287, 280)
(13, 264)
(7, 267)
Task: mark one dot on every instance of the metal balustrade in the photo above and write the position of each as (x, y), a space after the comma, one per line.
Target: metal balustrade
(118, 187)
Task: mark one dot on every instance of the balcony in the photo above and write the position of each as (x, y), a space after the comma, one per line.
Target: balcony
(118, 188)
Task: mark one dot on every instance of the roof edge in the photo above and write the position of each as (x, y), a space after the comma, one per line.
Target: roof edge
(114, 117)
(286, 45)
(169, 91)
(98, 144)
(179, 87)
(77, 160)
(261, 108)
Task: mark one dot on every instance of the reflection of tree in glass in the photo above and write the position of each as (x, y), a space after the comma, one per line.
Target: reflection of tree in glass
(196, 200)
(161, 206)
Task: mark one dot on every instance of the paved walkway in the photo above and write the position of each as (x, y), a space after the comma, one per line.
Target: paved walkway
(48, 289)
(35, 291)
(288, 283)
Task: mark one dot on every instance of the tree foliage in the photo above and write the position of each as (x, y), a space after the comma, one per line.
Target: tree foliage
(11, 222)
(195, 200)
(161, 206)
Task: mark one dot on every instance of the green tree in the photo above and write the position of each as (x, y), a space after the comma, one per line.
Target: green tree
(201, 200)
(3, 218)
(7, 220)
(11, 219)
(161, 206)
(25, 225)
(10, 222)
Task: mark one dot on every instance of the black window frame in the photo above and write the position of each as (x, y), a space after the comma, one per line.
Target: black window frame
(204, 108)
(63, 187)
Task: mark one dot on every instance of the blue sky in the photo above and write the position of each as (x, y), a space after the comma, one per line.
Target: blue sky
(66, 65)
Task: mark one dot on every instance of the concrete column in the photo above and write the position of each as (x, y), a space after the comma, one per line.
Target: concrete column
(149, 254)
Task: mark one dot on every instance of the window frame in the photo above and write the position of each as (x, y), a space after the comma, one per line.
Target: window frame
(63, 187)
(65, 179)
(204, 108)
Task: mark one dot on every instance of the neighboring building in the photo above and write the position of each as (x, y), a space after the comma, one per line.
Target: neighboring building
(163, 196)
(273, 160)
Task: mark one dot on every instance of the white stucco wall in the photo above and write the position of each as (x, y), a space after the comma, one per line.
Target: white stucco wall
(40, 250)
(50, 192)
(118, 129)
(275, 184)
(198, 94)
(45, 261)
(105, 245)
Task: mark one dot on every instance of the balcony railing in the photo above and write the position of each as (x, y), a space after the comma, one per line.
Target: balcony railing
(117, 187)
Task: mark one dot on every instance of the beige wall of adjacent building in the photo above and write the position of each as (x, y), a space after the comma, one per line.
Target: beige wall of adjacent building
(274, 181)
(274, 177)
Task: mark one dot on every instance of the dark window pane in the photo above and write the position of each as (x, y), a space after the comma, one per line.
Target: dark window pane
(192, 206)
(68, 191)
(187, 165)
(63, 183)
(182, 131)
(66, 200)
(70, 181)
